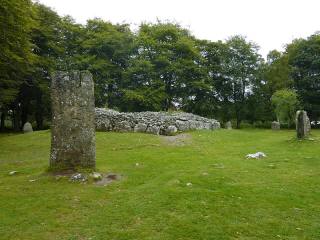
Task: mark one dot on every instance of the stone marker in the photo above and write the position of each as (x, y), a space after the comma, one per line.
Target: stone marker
(308, 125)
(73, 123)
(228, 125)
(275, 125)
(302, 124)
(27, 127)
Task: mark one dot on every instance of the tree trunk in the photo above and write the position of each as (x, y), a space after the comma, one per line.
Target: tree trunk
(3, 117)
(238, 123)
(39, 120)
(24, 114)
(16, 118)
(39, 111)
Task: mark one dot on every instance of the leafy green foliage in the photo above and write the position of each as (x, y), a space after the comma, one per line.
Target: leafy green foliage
(304, 58)
(107, 49)
(16, 57)
(286, 103)
(161, 66)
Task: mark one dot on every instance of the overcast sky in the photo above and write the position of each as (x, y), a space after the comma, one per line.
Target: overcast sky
(269, 23)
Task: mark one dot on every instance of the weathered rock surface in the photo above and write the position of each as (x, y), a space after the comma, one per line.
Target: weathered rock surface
(27, 127)
(228, 125)
(302, 124)
(275, 125)
(73, 124)
(162, 123)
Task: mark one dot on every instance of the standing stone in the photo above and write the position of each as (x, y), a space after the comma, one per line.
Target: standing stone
(73, 120)
(308, 125)
(275, 125)
(228, 125)
(27, 127)
(301, 124)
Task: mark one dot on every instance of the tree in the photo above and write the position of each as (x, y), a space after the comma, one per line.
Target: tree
(213, 102)
(285, 105)
(16, 57)
(174, 64)
(241, 68)
(304, 58)
(106, 52)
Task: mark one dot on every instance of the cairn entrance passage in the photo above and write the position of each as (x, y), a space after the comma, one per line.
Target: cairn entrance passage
(73, 121)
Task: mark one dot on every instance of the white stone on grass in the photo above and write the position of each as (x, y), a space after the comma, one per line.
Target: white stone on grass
(256, 155)
(13, 173)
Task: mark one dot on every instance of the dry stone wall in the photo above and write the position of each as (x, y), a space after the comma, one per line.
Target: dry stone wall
(162, 123)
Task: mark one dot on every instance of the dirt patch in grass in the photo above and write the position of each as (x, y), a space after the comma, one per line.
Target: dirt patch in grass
(108, 178)
(177, 140)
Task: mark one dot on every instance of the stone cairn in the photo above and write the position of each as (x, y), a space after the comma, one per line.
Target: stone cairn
(162, 123)
(73, 126)
(275, 125)
(302, 124)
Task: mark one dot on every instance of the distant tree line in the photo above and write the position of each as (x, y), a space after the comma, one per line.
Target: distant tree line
(160, 67)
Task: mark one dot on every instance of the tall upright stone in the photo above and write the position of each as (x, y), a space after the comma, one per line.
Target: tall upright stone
(275, 125)
(302, 124)
(228, 125)
(73, 120)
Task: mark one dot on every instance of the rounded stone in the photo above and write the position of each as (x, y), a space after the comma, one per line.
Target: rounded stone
(275, 125)
(27, 127)
(171, 130)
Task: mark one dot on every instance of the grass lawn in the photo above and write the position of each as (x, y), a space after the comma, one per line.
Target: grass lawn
(230, 197)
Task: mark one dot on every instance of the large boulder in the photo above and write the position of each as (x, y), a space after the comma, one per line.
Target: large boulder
(170, 130)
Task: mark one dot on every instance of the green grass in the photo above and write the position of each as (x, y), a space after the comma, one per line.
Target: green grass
(231, 197)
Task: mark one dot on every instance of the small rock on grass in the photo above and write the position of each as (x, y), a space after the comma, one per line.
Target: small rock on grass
(13, 173)
(78, 177)
(256, 155)
(96, 176)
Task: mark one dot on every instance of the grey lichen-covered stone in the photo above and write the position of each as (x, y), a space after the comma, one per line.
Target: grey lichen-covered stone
(140, 127)
(308, 125)
(171, 130)
(151, 122)
(275, 125)
(182, 125)
(228, 125)
(302, 124)
(27, 127)
(73, 122)
(153, 130)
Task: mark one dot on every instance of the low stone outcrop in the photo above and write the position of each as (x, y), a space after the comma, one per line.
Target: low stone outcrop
(162, 123)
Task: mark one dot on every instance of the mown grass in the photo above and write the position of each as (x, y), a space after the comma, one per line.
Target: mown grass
(231, 197)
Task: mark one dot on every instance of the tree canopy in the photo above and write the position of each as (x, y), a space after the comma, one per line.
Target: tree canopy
(161, 66)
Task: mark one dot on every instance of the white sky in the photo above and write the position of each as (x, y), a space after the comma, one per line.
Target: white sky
(269, 23)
